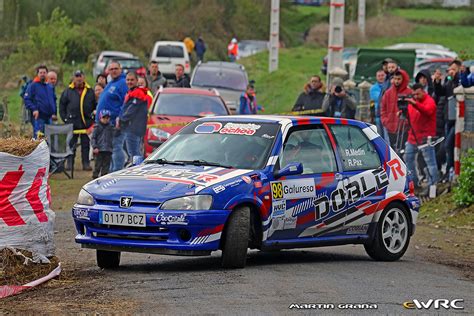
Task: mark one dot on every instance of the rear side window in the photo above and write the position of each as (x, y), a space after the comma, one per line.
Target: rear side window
(170, 51)
(356, 150)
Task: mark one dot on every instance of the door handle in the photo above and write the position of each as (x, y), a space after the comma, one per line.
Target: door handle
(338, 176)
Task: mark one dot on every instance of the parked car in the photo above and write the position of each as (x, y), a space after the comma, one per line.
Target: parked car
(417, 46)
(251, 47)
(172, 108)
(168, 54)
(349, 58)
(432, 64)
(261, 182)
(129, 64)
(425, 54)
(230, 79)
(102, 59)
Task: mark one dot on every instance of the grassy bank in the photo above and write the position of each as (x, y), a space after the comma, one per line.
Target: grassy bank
(433, 16)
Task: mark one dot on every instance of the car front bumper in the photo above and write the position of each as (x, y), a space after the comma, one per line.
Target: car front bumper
(166, 231)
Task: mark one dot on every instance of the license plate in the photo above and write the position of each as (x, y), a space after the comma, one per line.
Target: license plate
(123, 219)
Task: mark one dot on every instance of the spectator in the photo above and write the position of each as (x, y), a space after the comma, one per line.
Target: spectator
(189, 43)
(440, 122)
(112, 99)
(422, 118)
(143, 83)
(133, 115)
(101, 79)
(389, 66)
(339, 103)
(102, 138)
(200, 49)
(375, 92)
(389, 109)
(466, 77)
(248, 101)
(155, 78)
(98, 89)
(424, 78)
(182, 79)
(312, 97)
(76, 107)
(41, 101)
(233, 49)
(52, 78)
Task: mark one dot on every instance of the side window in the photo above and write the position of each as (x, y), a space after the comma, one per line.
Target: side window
(356, 150)
(312, 148)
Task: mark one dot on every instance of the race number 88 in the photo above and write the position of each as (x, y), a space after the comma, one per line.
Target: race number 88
(277, 190)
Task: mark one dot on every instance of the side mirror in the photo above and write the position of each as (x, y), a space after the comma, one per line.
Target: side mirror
(293, 168)
(136, 160)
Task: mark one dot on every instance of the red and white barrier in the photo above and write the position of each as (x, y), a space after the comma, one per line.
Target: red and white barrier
(26, 220)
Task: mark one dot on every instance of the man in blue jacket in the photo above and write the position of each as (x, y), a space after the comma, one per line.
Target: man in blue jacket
(112, 99)
(40, 99)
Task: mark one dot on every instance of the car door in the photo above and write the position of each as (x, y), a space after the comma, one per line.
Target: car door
(363, 177)
(301, 203)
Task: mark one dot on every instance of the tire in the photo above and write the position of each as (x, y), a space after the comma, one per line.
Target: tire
(108, 259)
(392, 234)
(236, 239)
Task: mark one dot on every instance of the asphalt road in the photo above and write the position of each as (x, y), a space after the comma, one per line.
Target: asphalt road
(269, 284)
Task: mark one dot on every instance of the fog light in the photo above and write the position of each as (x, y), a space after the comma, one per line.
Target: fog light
(184, 235)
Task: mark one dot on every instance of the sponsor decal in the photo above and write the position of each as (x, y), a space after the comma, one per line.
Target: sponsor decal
(163, 219)
(233, 183)
(293, 189)
(268, 136)
(435, 304)
(290, 223)
(278, 208)
(240, 129)
(354, 230)
(247, 179)
(396, 168)
(218, 189)
(208, 128)
(179, 175)
(125, 201)
(278, 223)
(81, 213)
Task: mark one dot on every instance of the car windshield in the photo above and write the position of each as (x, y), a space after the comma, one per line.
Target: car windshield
(231, 144)
(130, 63)
(189, 105)
(170, 51)
(220, 78)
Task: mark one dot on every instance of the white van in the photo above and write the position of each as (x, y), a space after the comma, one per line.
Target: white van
(168, 55)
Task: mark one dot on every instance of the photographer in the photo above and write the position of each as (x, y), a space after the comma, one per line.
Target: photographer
(421, 116)
(339, 103)
(389, 108)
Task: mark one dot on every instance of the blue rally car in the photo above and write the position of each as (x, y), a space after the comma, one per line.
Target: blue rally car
(265, 182)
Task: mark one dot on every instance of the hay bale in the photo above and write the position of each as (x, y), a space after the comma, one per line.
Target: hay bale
(18, 146)
(17, 268)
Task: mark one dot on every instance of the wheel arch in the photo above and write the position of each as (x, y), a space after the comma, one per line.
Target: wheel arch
(256, 229)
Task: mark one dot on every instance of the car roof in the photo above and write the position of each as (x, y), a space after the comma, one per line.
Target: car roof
(221, 64)
(436, 60)
(169, 43)
(417, 46)
(208, 92)
(116, 53)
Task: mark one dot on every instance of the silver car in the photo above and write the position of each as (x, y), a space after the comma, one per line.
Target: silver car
(230, 79)
(103, 57)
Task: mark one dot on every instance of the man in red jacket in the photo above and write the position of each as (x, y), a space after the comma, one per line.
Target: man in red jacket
(422, 118)
(389, 109)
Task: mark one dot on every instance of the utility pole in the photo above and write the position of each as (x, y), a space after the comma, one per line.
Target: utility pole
(274, 36)
(336, 37)
(361, 17)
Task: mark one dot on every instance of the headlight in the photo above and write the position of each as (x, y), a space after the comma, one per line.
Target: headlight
(189, 203)
(159, 133)
(85, 198)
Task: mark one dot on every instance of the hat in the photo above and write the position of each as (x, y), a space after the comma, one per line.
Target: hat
(78, 73)
(387, 60)
(104, 113)
(337, 82)
(234, 40)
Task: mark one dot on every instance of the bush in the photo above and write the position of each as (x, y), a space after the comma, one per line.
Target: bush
(464, 191)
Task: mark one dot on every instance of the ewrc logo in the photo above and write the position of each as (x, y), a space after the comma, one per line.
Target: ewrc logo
(435, 303)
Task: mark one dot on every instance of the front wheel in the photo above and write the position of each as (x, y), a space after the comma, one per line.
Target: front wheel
(108, 259)
(392, 234)
(236, 239)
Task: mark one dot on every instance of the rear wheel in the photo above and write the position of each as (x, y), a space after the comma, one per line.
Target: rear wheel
(392, 234)
(236, 239)
(108, 259)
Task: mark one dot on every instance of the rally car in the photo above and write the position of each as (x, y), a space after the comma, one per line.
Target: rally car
(267, 182)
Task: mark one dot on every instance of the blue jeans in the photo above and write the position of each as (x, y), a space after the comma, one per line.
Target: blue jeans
(429, 154)
(38, 126)
(133, 143)
(118, 154)
(449, 145)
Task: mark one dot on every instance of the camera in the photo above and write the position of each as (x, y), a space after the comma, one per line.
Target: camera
(338, 89)
(402, 103)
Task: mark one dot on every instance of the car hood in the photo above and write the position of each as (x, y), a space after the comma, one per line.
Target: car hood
(170, 123)
(154, 183)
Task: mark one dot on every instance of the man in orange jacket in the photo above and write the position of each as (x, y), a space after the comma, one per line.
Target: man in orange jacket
(233, 49)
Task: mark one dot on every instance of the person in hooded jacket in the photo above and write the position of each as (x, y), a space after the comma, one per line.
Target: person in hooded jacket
(312, 97)
(423, 77)
(133, 115)
(389, 111)
(339, 103)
